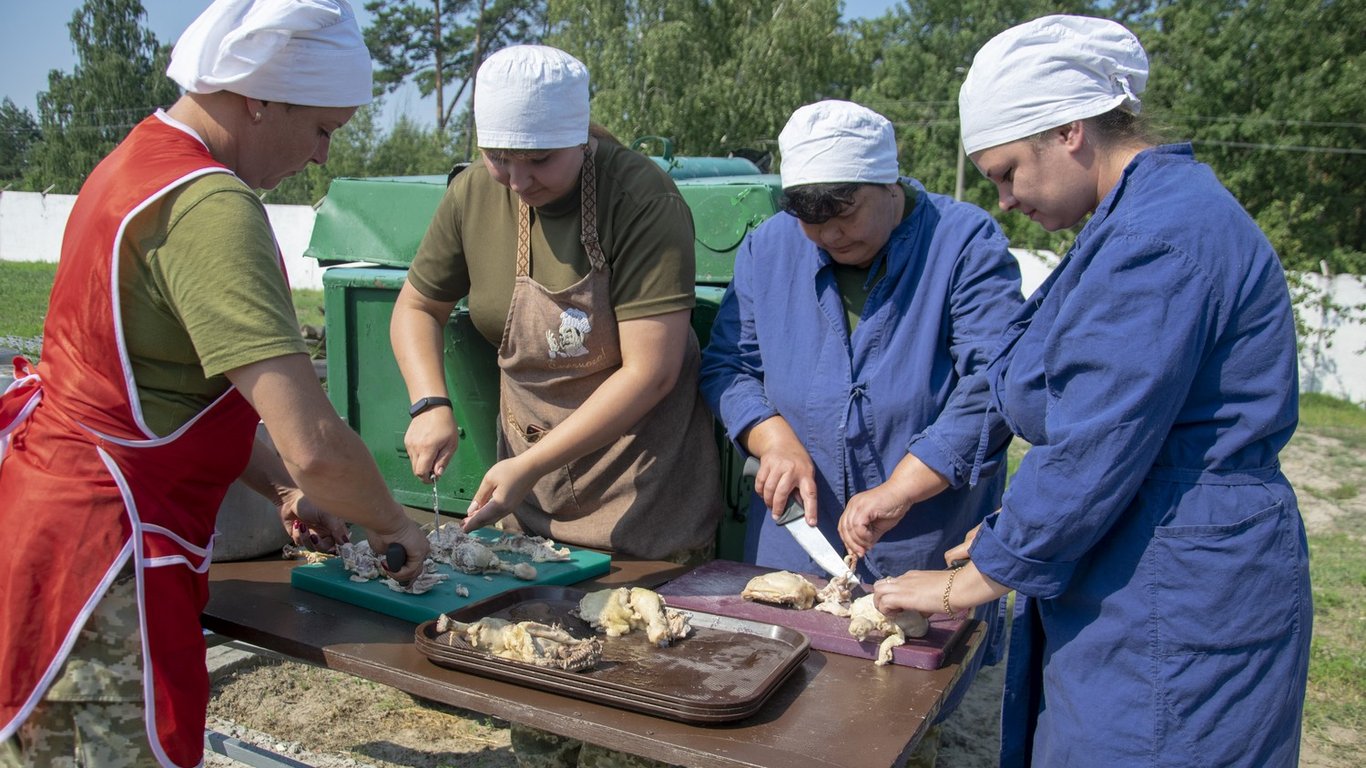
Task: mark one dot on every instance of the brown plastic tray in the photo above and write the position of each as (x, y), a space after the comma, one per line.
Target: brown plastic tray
(724, 670)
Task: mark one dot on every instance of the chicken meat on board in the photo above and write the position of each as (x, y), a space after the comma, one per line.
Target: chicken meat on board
(865, 619)
(781, 588)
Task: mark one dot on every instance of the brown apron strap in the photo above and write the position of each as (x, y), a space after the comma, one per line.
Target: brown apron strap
(588, 233)
(523, 239)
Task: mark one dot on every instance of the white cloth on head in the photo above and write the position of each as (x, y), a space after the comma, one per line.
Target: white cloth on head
(1046, 73)
(531, 97)
(835, 142)
(305, 52)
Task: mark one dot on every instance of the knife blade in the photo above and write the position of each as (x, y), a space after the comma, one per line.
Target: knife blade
(809, 538)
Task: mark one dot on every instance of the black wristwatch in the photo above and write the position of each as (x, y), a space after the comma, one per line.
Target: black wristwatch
(426, 404)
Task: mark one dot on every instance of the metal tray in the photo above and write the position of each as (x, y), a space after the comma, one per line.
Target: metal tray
(724, 670)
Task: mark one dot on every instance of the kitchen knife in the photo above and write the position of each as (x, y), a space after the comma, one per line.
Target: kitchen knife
(810, 538)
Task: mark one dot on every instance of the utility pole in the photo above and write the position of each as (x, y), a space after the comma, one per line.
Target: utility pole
(958, 178)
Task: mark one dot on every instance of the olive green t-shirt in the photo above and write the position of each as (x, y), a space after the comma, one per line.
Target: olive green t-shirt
(201, 292)
(645, 228)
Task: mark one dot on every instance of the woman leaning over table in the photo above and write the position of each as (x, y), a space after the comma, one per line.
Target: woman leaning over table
(1164, 609)
(576, 255)
(119, 447)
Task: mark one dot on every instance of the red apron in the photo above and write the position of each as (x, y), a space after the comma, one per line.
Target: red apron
(85, 486)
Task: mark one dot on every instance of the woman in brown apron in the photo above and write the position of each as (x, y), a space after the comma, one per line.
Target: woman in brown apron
(576, 256)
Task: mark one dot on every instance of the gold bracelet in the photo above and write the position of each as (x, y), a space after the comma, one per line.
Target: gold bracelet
(948, 608)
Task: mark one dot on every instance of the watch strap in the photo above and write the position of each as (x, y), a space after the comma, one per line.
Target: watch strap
(426, 404)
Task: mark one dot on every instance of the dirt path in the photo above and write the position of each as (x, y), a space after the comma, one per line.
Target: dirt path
(333, 720)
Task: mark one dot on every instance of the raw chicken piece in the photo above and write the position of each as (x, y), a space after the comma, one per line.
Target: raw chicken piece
(525, 641)
(781, 588)
(865, 619)
(662, 625)
(616, 612)
(609, 611)
(540, 550)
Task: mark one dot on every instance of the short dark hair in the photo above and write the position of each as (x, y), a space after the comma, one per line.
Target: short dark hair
(818, 203)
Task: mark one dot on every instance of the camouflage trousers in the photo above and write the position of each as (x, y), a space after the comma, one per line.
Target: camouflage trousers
(92, 716)
(535, 748)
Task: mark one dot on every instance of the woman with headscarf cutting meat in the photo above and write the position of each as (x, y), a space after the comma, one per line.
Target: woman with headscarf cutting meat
(1164, 606)
(169, 336)
(846, 356)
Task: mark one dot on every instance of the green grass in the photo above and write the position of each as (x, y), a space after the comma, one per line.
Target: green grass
(24, 288)
(1335, 707)
(308, 305)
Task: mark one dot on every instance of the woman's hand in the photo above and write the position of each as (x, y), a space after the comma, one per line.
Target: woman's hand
(784, 466)
(431, 440)
(502, 489)
(308, 526)
(925, 591)
(400, 530)
(869, 515)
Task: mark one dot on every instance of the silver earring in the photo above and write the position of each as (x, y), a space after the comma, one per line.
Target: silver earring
(258, 117)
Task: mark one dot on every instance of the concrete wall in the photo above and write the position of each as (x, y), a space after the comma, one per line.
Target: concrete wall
(31, 227)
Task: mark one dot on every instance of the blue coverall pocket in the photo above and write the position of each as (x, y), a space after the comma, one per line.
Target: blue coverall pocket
(1219, 587)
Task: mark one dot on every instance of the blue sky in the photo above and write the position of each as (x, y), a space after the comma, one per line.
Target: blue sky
(34, 39)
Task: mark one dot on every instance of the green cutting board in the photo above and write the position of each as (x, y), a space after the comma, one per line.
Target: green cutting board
(331, 579)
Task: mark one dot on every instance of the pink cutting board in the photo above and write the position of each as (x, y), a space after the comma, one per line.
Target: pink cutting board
(716, 586)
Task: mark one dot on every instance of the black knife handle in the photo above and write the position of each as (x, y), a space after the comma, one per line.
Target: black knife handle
(395, 557)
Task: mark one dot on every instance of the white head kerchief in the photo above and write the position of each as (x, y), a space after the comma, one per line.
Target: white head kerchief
(1046, 73)
(531, 97)
(834, 142)
(305, 52)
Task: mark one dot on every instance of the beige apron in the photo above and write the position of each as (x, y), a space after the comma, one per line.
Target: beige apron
(654, 491)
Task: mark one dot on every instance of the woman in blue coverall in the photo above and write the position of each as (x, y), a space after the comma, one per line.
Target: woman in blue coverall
(845, 350)
(1160, 563)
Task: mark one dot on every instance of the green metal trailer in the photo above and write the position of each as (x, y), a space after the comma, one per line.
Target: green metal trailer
(367, 231)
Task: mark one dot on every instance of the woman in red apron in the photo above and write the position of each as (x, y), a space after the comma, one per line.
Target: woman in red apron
(110, 479)
(576, 256)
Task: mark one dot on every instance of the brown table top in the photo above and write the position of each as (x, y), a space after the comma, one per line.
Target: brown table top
(833, 711)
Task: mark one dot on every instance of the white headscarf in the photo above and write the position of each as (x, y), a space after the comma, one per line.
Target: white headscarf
(531, 97)
(835, 142)
(305, 52)
(1046, 73)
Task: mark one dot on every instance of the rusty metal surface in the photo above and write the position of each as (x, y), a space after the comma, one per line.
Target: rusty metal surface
(832, 711)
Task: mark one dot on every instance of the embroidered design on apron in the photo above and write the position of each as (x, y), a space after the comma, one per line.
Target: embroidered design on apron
(569, 340)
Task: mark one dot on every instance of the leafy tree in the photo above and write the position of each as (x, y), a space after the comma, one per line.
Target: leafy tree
(1270, 92)
(916, 57)
(361, 149)
(18, 131)
(439, 45)
(119, 79)
(711, 75)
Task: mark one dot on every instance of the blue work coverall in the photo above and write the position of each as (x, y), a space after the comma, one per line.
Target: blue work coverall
(904, 381)
(1157, 550)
